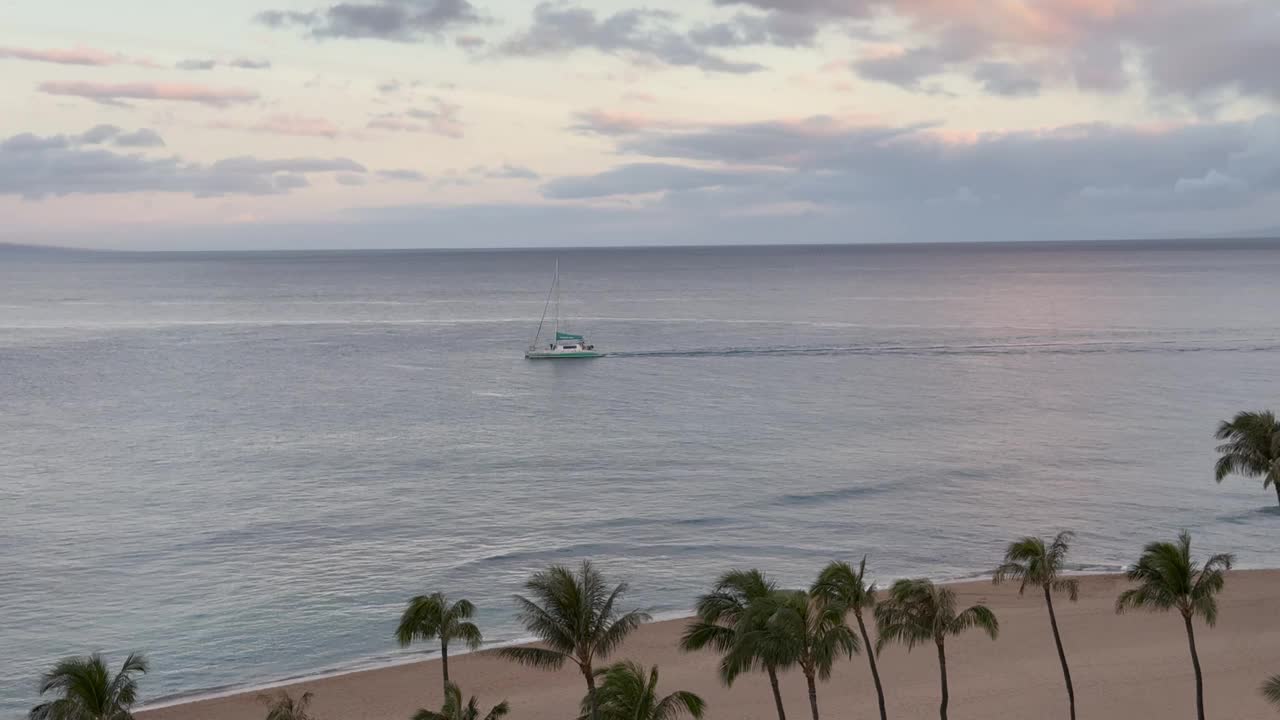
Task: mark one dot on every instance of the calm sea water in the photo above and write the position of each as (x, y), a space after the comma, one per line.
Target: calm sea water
(244, 464)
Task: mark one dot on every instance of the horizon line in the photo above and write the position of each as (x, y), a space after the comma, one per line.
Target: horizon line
(57, 249)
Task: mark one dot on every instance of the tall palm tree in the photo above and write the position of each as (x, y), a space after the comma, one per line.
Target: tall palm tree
(1251, 448)
(283, 706)
(454, 709)
(917, 612)
(1032, 562)
(720, 623)
(840, 583)
(88, 691)
(629, 692)
(575, 615)
(431, 617)
(799, 629)
(1271, 690)
(1170, 579)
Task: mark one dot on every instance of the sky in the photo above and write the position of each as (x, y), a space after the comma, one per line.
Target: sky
(243, 124)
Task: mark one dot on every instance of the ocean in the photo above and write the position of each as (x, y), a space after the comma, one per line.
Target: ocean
(244, 464)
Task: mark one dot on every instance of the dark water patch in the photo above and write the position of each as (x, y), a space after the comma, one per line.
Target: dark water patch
(822, 497)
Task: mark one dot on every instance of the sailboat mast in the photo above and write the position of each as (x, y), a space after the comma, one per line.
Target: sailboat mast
(546, 305)
(557, 287)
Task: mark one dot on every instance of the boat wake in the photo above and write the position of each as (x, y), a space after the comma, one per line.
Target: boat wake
(1064, 348)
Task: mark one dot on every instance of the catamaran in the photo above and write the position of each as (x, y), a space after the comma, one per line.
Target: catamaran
(566, 345)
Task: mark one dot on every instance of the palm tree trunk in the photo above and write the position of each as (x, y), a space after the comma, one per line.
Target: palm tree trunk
(813, 694)
(942, 668)
(591, 691)
(444, 663)
(777, 693)
(1276, 485)
(1062, 655)
(871, 658)
(1195, 662)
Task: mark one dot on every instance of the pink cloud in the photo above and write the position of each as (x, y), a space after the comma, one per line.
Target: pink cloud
(80, 55)
(115, 93)
(616, 122)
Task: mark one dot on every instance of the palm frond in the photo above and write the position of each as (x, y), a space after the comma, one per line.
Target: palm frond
(700, 634)
(499, 711)
(907, 614)
(461, 610)
(1271, 690)
(422, 619)
(839, 582)
(547, 624)
(979, 616)
(1070, 586)
(681, 702)
(539, 658)
(613, 635)
(1251, 445)
(629, 691)
(1168, 577)
(87, 689)
(469, 634)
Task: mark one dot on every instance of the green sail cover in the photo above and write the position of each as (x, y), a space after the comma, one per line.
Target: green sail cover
(567, 336)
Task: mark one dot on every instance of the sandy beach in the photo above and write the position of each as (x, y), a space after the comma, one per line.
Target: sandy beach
(1125, 668)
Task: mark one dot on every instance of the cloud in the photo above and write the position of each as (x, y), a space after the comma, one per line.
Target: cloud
(350, 179)
(98, 134)
(140, 138)
(285, 182)
(395, 20)
(1190, 49)
(196, 64)
(441, 119)
(828, 164)
(780, 29)
(241, 63)
(506, 172)
(606, 122)
(114, 93)
(639, 178)
(643, 33)
(34, 167)
(401, 175)
(286, 124)
(1008, 79)
(72, 56)
(250, 64)
(469, 42)
(110, 134)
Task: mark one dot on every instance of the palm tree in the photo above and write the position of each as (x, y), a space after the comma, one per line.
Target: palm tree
(840, 583)
(576, 618)
(917, 611)
(720, 623)
(1252, 448)
(454, 709)
(628, 692)
(1271, 690)
(801, 629)
(430, 617)
(1170, 579)
(283, 706)
(1031, 562)
(88, 691)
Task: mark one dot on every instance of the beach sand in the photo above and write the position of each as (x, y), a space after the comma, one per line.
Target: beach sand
(1129, 667)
